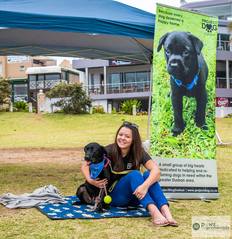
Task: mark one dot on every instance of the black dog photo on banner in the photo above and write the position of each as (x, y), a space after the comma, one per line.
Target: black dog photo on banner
(188, 74)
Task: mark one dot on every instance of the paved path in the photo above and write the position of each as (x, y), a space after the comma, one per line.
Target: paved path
(41, 155)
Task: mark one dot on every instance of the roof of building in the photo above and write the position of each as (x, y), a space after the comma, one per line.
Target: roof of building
(209, 3)
(49, 70)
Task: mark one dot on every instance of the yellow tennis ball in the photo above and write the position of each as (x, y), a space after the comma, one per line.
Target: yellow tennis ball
(107, 199)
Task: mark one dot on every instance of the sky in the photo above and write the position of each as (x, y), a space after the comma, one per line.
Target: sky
(150, 5)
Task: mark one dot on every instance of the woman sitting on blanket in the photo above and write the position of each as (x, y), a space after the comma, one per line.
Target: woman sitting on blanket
(132, 188)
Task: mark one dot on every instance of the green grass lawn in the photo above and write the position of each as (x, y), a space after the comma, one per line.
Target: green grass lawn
(20, 178)
(25, 130)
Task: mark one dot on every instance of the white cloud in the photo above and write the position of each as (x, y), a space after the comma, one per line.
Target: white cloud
(149, 5)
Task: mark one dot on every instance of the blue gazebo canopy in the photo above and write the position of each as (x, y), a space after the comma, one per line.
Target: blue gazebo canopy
(83, 28)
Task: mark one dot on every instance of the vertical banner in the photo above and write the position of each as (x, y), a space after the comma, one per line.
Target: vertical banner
(183, 103)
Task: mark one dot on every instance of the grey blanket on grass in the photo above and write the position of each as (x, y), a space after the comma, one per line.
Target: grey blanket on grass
(46, 194)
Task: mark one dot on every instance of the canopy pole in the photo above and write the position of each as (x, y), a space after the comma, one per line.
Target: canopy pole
(144, 50)
(149, 104)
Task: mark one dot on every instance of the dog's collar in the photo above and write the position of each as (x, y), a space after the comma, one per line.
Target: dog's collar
(190, 85)
(96, 168)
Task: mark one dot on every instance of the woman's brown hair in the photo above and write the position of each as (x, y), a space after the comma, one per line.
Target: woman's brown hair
(135, 152)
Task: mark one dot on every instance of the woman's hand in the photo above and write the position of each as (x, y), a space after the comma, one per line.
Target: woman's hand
(98, 183)
(141, 191)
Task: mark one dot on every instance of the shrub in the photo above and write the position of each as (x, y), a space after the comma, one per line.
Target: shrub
(98, 109)
(142, 113)
(4, 92)
(73, 98)
(114, 111)
(20, 106)
(127, 105)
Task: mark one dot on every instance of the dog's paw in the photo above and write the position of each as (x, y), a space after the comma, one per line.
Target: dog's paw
(99, 209)
(202, 126)
(177, 130)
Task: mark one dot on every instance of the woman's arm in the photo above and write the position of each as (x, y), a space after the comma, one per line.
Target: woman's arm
(85, 172)
(154, 176)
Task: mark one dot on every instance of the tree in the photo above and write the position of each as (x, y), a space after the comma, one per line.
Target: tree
(4, 91)
(73, 98)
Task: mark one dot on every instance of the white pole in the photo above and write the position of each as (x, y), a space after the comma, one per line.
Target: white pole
(11, 107)
(87, 80)
(105, 75)
(149, 105)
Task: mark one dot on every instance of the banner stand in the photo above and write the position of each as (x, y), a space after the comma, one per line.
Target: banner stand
(182, 134)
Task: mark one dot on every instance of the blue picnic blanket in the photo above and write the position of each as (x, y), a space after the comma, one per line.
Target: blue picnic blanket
(69, 211)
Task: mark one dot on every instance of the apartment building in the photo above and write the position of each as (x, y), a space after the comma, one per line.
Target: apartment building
(109, 83)
(45, 78)
(223, 10)
(13, 68)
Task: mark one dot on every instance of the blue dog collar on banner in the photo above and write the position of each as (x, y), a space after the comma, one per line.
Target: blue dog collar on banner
(190, 85)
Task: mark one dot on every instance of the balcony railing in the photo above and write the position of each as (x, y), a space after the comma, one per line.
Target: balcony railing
(221, 82)
(224, 45)
(43, 84)
(116, 88)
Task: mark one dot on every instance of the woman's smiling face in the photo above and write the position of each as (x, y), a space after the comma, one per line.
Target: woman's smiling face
(124, 138)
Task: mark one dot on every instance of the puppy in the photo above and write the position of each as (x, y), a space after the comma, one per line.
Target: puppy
(95, 155)
(188, 74)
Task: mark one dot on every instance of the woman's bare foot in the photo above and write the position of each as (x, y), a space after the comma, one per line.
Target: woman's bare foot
(157, 218)
(172, 222)
(167, 214)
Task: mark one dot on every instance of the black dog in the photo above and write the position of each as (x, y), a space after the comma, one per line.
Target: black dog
(95, 155)
(189, 72)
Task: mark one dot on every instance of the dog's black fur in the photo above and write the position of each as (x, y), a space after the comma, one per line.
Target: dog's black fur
(183, 57)
(87, 193)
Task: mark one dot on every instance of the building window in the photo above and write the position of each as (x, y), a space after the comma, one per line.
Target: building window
(92, 80)
(221, 74)
(20, 92)
(223, 42)
(52, 76)
(114, 83)
(230, 74)
(51, 80)
(22, 68)
(32, 82)
(40, 82)
(63, 75)
(115, 79)
(221, 82)
(130, 77)
(143, 81)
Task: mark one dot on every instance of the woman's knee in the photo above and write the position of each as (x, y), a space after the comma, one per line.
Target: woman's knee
(134, 173)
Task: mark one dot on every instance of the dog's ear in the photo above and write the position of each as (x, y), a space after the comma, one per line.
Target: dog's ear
(197, 43)
(85, 148)
(161, 41)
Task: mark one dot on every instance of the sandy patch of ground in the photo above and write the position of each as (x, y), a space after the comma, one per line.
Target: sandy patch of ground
(41, 155)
